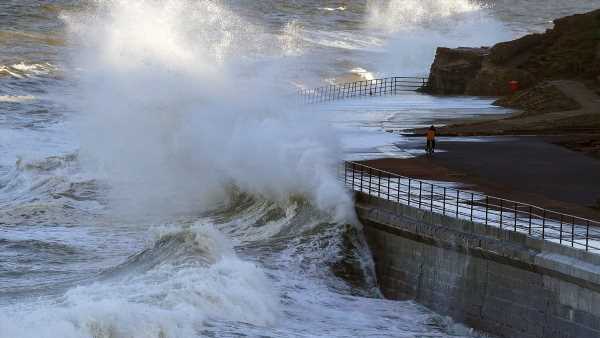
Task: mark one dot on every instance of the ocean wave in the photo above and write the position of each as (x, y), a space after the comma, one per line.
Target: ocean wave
(48, 191)
(48, 164)
(342, 40)
(25, 70)
(32, 246)
(195, 245)
(172, 298)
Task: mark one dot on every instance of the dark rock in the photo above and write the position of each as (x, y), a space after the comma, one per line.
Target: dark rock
(494, 80)
(541, 99)
(454, 68)
(505, 52)
(569, 51)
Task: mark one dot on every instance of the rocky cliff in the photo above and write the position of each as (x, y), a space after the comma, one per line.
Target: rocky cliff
(569, 51)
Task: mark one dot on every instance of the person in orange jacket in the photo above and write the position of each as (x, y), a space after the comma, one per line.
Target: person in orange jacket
(431, 139)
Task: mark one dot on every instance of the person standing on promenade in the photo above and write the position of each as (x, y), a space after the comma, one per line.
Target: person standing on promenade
(430, 140)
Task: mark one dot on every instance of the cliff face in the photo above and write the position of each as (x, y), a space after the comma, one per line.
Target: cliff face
(454, 69)
(569, 51)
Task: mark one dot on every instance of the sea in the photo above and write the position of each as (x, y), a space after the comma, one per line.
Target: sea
(159, 179)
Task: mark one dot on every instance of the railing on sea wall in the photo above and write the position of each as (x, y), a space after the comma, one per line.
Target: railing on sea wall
(534, 221)
(375, 87)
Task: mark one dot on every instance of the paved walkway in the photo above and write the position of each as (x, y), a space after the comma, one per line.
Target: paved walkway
(526, 169)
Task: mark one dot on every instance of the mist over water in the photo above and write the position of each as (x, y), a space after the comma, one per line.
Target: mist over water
(158, 181)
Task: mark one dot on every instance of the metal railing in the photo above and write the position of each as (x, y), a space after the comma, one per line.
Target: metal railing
(534, 221)
(375, 87)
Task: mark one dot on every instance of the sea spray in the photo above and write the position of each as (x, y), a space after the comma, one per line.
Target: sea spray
(414, 29)
(183, 99)
(397, 15)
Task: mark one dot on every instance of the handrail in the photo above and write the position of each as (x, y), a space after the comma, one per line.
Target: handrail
(492, 211)
(375, 87)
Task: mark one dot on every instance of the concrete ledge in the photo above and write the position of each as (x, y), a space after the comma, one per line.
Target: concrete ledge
(492, 279)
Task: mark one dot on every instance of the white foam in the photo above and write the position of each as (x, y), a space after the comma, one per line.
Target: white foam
(363, 73)
(22, 70)
(172, 299)
(333, 9)
(16, 98)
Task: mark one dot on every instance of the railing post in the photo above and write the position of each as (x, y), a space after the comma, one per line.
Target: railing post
(457, 201)
(516, 211)
(544, 224)
(530, 215)
(573, 232)
(487, 204)
(388, 187)
(472, 205)
(444, 202)
(561, 229)
(501, 209)
(398, 192)
(431, 199)
(409, 189)
(587, 236)
(353, 170)
(370, 178)
(362, 184)
(420, 192)
(378, 185)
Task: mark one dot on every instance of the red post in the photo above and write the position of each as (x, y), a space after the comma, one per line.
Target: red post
(514, 86)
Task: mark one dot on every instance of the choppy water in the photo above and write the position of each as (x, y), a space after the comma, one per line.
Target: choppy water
(155, 182)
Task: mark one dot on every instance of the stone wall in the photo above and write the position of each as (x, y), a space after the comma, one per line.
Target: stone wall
(497, 281)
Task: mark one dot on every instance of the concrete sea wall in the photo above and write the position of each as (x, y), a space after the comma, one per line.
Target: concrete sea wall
(500, 282)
